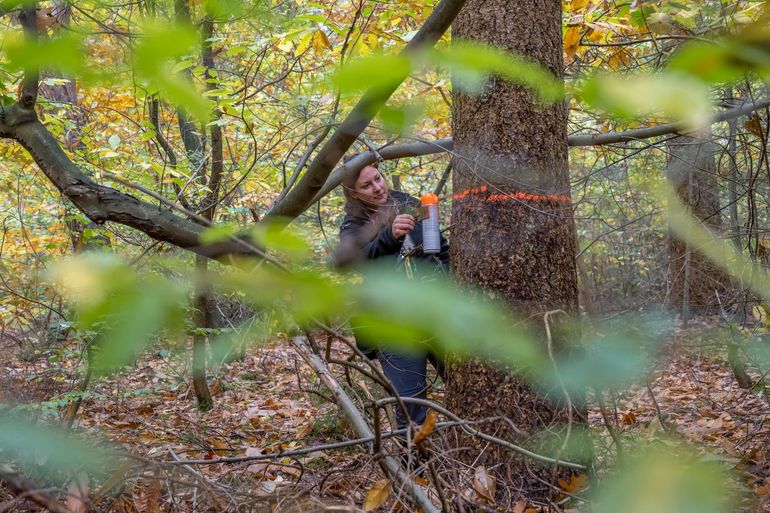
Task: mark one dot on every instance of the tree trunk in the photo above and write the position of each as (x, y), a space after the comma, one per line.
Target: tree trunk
(514, 234)
(199, 353)
(694, 282)
(66, 95)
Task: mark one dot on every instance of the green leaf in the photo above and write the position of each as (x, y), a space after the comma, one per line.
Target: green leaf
(224, 9)
(126, 309)
(717, 249)
(458, 321)
(155, 59)
(713, 63)
(613, 355)
(36, 447)
(380, 72)
(665, 480)
(161, 43)
(677, 96)
(277, 235)
(219, 233)
(65, 53)
(472, 62)
(400, 119)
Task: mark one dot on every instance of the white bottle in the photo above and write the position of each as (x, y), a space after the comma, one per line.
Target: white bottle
(431, 232)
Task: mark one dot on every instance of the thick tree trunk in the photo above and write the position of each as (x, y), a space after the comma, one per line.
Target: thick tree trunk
(694, 282)
(514, 234)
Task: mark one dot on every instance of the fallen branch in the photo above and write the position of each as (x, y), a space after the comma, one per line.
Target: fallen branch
(464, 425)
(357, 420)
(24, 488)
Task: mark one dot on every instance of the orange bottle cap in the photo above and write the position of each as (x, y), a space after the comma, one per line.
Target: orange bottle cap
(429, 199)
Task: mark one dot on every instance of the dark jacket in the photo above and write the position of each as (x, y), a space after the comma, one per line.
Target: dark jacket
(382, 244)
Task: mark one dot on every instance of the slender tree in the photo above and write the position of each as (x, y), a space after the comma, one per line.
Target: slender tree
(696, 285)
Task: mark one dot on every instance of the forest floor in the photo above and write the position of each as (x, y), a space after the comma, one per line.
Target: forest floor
(271, 402)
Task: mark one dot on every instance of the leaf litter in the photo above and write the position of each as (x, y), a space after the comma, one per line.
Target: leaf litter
(270, 402)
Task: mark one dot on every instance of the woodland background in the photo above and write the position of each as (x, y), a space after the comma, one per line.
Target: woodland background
(141, 138)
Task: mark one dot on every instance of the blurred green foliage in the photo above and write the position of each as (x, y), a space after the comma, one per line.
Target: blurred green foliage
(128, 309)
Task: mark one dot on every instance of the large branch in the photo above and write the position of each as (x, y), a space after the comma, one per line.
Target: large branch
(400, 151)
(657, 131)
(360, 425)
(102, 203)
(420, 148)
(23, 487)
(301, 196)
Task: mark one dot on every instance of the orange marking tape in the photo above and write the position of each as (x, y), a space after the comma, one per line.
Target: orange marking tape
(558, 198)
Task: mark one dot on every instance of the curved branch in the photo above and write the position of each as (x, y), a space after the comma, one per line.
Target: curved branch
(420, 148)
(23, 487)
(101, 203)
(354, 165)
(668, 128)
(301, 196)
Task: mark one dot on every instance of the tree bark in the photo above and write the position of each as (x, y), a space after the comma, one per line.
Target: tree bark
(516, 239)
(200, 350)
(693, 280)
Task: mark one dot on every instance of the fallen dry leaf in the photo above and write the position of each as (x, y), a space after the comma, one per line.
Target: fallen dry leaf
(484, 484)
(519, 507)
(377, 494)
(427, 427)
(305, 429)
(628, 419)
(575, 483)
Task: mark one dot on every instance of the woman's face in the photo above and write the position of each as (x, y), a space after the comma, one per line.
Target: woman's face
(371, 187)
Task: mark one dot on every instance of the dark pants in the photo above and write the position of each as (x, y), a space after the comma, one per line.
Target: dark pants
(408, 373)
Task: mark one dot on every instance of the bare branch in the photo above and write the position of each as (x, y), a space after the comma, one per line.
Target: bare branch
(23, 487)
(301, 196)
(416, 149)
(102, 203)
(359, 423)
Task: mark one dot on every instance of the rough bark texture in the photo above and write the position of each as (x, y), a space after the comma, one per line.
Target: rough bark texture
(516, 239)
(692, 170)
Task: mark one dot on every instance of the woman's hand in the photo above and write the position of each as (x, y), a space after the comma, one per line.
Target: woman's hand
(402, 224)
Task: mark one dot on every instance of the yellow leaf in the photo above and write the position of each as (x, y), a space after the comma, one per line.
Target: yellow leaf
(305, 429)
(484, 484)
(575, 483)
(660, 23)
(519, 507)
(304, 43)
(427, 427)
(597, 36)
(377, 494)
(320, 42)
(220, 444)
(571, 41)
(577, 5)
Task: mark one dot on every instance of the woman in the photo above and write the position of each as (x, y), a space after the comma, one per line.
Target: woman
(375, 227)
